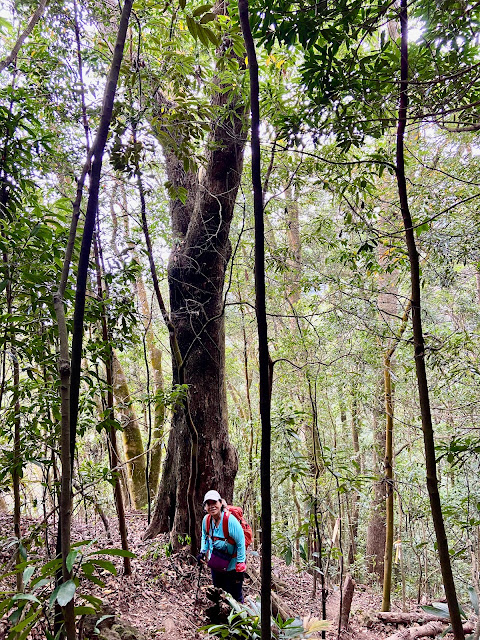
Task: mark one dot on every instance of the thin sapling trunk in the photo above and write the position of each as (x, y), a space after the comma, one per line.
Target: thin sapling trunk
(419, 343)
(260, 307)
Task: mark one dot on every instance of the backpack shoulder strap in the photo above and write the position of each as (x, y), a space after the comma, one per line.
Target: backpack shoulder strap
(227, 536)
(208, 524)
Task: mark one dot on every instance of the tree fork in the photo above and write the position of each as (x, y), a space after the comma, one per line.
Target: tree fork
(419, 344)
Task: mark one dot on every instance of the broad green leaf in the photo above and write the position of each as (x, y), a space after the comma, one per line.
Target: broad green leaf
(27, 574)
(211, 36)
(192, 27)
(105, 564)
(66, 592)
(207, 17)
(439, 609)
(71, 559)
(202, 36)
(94, 601)
(288, 556)
(6, 26)
(50, 567)
(38, 583)
(202, 9)
(25, 596)
(53, 596)
(84, 611)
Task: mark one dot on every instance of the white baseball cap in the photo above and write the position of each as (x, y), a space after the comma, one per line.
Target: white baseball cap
(212, 495)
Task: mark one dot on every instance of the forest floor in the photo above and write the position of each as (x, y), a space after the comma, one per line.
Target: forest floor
(159, 598)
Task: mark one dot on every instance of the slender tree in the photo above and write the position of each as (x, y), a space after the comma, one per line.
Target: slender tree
(261, 312)
(419, 342)
(70, 370)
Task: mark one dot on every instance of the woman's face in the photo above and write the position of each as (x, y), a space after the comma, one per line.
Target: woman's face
(214, 508)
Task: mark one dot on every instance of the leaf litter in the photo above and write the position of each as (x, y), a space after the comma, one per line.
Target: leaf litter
(159, 598)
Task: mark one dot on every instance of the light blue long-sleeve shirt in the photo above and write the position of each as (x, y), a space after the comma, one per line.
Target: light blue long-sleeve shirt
(235, 531)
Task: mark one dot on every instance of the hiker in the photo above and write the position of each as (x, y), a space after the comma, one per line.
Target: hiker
(226, 554)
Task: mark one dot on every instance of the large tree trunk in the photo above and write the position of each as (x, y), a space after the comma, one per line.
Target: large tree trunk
(196, 274)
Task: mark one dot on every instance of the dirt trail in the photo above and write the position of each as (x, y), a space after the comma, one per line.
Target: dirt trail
(159, 597)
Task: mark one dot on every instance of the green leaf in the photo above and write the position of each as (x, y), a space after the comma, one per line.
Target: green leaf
(202, 36)
(71, 559)
(106, 564)
(211, 36)
(439, 609)
(202, 9)
(84, 611)
(50, 567)
(182, 3)
(114, 552)
(53, 596)
(421, 228)
(288, 556)
(28, 621)
(25, 596)
(38, 583)
(66, 592)
(27, 574)
(6, 26)
(94, 601)
(208, 17)
(96, 580)
(192, 27)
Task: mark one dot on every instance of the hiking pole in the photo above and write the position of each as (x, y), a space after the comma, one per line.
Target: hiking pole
(198, 584)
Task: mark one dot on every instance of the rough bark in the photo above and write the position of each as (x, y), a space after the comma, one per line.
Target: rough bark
(348, 589)
(196, 274)
(132, 436)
